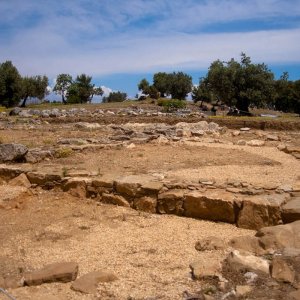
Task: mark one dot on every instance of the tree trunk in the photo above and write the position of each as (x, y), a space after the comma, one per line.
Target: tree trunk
(24, 102)
(243, 106)
(63, 98)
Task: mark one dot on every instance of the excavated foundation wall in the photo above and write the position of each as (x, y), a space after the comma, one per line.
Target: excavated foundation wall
(147, 194)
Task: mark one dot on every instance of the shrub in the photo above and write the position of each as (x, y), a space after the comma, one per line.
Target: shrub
(63, 152)
(171, 104)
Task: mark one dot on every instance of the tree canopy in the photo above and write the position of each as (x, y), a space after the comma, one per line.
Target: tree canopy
(178, 85)
(33, 87)
(10, 84)
(240, 84)
(63, 82)
(115, 97)
(82, 90)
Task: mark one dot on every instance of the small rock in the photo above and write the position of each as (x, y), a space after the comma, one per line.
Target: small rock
(255, 143)
(251, 277)
(210, 243)
(242, 290)
(281, 271)
(249, 262)
(130, 146)
(272, 137)
(241, 143)
(63, 272)
(205, 269)
(245, 129)
(235, 133)
(88, 283)
(233, 190)
(286, 188)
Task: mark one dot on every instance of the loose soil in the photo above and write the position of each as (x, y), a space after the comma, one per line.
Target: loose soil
(150, 254)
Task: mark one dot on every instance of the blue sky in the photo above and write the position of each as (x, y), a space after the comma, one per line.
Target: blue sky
(119, 42)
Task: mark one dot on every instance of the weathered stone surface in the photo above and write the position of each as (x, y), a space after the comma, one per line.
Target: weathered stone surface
(280, 237)
(11, 282)
(146, 204)
(205, 269)
(63, 272)
(9, 172)
(295, 295)
(114, 199)
(255, 143)
(291, 210)
(37, 155)
(42, 178)
(272, 137)
(87, 126)
(88, 283)
(20, 180)
(151, 187)
(245, 261)
(260, 211)
(290, 149)
(103, 181)
(247, 243)
(76, 186)
(128, 186)
(12, 152)
(171, 202)
(210, 243)
(211, 205)
(281, 271)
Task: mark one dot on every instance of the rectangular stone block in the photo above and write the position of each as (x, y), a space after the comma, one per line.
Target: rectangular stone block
(211, 205)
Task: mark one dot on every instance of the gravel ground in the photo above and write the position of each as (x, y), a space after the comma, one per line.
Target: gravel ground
(273, 167)
(150, 254)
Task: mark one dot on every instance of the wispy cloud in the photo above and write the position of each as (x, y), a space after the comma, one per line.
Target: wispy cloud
(104, 37)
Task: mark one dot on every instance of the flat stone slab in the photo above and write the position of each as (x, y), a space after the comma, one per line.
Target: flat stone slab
(88, 283)
(62, 272)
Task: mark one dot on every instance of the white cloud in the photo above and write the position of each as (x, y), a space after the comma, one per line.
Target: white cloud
(106, 90)
(99, 37)
(138, 54)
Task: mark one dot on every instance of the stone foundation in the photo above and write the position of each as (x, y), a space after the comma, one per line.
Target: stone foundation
(146, 193)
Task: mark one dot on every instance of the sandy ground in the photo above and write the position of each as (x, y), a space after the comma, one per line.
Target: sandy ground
(150, 254)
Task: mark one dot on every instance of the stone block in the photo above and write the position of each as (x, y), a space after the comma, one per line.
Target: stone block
(171, 202)
(114, 199)
(56, 272)
(210, 205)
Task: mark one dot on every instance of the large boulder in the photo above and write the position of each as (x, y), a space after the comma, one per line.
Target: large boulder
(280, 237)
(12, 152)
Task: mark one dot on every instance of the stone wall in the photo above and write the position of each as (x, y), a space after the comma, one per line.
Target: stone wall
(148, 194)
